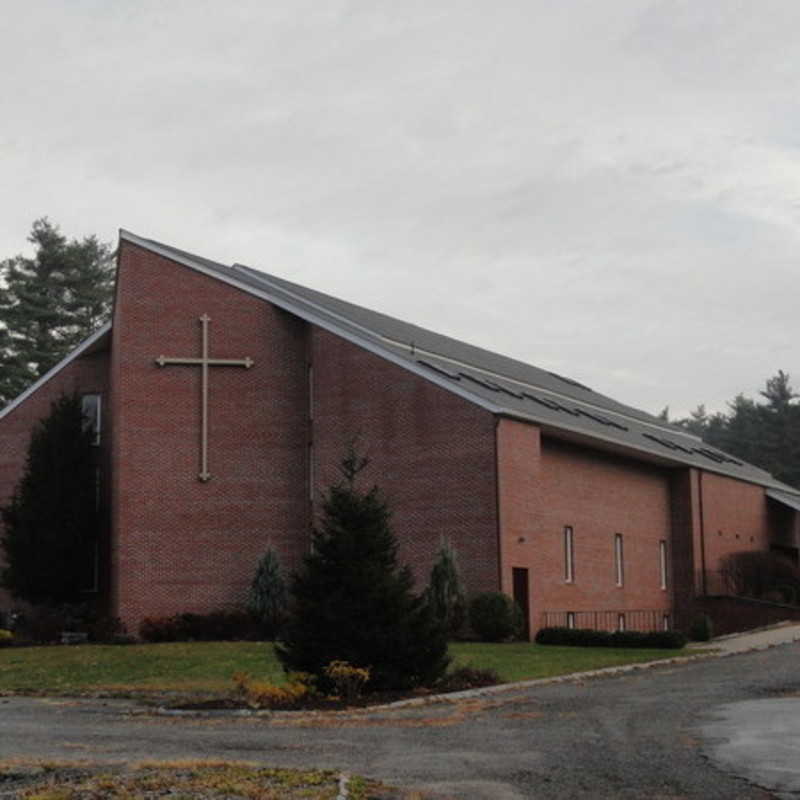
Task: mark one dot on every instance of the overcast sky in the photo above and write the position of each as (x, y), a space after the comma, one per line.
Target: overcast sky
(610, 190)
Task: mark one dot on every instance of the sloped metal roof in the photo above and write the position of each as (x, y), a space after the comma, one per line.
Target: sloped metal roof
(790, 500)
(562, 407)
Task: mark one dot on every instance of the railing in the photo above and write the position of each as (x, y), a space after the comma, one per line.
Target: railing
(622, 619)
(749, 585)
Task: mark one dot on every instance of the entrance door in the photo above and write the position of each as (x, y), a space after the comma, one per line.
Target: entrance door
(520, 581)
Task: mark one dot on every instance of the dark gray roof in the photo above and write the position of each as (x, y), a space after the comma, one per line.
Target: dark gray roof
(561, 406)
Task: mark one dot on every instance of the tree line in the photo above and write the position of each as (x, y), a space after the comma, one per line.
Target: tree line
(764, 431)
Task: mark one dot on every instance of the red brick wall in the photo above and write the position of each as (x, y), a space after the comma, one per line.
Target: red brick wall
(735, 519)
(549, 485)
(183, 545)
(88, 374)
(686, 554)
(432, 453)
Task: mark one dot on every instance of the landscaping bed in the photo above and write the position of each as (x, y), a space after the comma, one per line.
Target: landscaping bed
(186, 673)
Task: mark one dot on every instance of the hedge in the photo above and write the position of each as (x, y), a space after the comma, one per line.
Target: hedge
(587, 637)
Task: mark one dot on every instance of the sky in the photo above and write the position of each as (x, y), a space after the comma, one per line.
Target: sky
(607, 190)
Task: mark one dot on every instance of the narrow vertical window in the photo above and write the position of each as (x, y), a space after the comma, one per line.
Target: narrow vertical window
(310, 378)
(619, 572)
(310, 391)
(91, 409)
(620, 622)
(311, 471)
(666, 622)
(570, 619)
(569, 556)
(662, 555)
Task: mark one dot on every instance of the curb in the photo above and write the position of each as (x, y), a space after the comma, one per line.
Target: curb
(484, 691)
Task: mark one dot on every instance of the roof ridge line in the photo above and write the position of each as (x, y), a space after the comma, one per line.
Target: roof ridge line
(412, 348)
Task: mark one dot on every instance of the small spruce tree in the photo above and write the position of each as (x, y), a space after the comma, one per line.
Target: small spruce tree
(50, 525)
(445, 594)
(353, 602)
(267, 598)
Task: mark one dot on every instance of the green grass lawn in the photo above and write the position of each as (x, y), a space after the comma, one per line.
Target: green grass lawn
(207, 667)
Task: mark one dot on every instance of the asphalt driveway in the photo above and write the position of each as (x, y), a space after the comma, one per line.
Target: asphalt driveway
(644, 734)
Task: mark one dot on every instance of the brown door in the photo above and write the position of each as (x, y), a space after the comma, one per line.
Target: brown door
(520, 580)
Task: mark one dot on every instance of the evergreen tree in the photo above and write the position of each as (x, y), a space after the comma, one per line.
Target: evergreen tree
(445, 594)
(766, 434)
(267, 599)
(353, 601)
(50, 525)
(50, 303)
(780, 428)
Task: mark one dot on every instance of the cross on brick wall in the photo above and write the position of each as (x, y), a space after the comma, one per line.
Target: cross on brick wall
(204, 362)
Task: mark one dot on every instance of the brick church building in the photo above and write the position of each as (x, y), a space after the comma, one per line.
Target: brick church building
(224, 399)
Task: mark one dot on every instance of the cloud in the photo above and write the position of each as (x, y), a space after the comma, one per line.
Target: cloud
(608, 191)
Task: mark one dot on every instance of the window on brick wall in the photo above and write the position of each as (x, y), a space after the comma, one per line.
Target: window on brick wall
(91, 407)
(569, 555)
(310, 471)
(619, 568)
(662, 562)
(310, 392)
(620, 622)
(570, 619)
(665, 622)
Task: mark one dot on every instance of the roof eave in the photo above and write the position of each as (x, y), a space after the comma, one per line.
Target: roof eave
(80, 350)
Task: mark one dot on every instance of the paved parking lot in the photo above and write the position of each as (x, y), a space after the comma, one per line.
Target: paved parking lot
(657, 733)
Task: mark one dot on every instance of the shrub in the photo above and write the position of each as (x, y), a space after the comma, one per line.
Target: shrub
(104, 629)
(348, 680)
(263, 694)
(444, 594)
(353, 600)
(267, 599)
(765, 575)
(701, 629)
(462, 678)
(44, 625)
(216, 626)
(159, 629)
(588, 637)
(6, 637)
(495, 617)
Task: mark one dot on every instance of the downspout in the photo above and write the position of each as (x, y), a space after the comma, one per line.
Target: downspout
(703, 583)
(497, 506)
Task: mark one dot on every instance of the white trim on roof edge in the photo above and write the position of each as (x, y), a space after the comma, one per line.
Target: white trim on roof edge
(372, 347)
(78, 351)
(412, 367)
(265, 278)
(416, 350)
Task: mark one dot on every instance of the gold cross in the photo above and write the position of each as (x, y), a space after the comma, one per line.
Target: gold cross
(205, 362)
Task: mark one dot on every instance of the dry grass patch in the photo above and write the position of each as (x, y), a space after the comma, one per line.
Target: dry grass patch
(183, 780)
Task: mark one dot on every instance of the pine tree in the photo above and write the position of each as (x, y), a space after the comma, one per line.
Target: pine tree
(50, 303)
(765, 434)
(445, 594)
(267, 600)
(353, 601)
(50, 525)
(780, 428)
